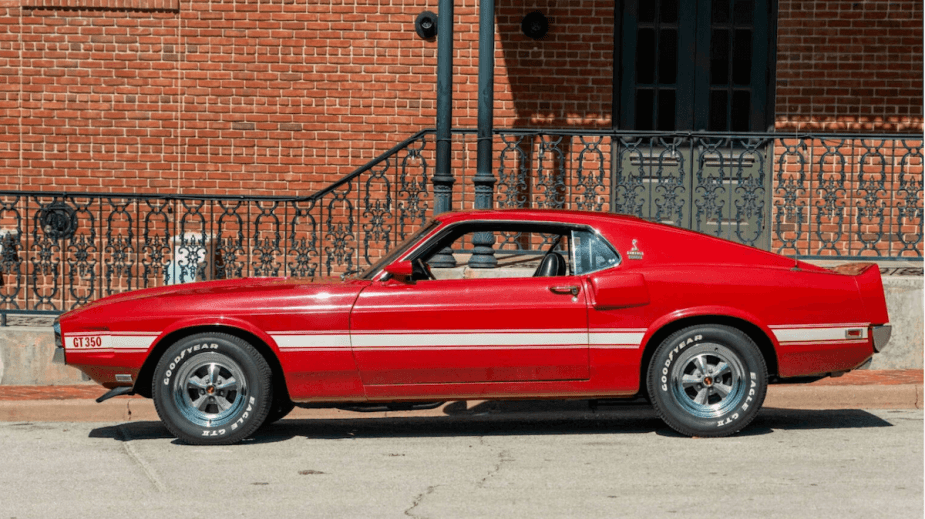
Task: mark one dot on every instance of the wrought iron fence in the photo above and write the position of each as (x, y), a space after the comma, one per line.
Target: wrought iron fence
(717, 184)
(819, 196)
(848, 196)
(808, 196)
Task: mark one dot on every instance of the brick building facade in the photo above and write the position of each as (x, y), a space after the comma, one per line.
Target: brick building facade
(774, 123)
(284, 97)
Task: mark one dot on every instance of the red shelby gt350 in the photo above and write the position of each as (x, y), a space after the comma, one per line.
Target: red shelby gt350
(490, 305)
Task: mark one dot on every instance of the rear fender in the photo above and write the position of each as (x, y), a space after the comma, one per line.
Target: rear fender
(703, 314)
(613, 291)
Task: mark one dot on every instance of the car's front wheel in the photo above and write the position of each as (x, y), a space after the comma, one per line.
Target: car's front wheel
(707, 381)
(212, 389)
(280, 408)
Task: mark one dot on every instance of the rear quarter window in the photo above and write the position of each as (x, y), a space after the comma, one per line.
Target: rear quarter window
(591, 252)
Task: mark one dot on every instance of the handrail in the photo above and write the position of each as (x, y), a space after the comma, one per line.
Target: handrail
(497, 131)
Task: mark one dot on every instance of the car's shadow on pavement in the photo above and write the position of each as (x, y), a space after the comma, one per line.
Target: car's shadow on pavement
(508, 419)
(770, 419)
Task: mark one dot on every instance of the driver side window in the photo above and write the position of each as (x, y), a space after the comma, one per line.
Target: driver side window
(520, 252)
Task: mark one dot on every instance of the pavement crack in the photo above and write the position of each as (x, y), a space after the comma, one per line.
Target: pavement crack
(504, 456)
(133, 454)
(417, 500)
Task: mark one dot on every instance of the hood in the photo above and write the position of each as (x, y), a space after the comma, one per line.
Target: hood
(224, 297)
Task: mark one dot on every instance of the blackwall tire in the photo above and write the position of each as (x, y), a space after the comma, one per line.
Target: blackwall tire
(212, 389)
(707, 381)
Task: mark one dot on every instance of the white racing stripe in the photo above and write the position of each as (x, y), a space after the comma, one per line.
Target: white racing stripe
(457, 339)
(819, 333)
(461, 339)
(617, 339)
(329, 340)
(133, 342)
(412, 340)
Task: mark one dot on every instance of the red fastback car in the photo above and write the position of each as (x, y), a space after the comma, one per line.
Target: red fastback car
(490, 305)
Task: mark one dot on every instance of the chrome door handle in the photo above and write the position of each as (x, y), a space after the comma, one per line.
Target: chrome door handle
(565, 290)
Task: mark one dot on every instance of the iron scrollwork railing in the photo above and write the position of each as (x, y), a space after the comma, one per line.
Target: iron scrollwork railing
(59, 251)
(807, 196)
(849, 196)
(717, 184)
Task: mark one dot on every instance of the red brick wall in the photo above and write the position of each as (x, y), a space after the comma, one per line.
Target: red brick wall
(270, 97)
(849, 65)
(563, 80)
(240, 96)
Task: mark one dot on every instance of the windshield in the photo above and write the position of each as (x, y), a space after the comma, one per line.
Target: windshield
(398, 250)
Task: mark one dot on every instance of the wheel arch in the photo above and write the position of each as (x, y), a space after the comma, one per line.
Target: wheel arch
(146, 374)
(754, 332)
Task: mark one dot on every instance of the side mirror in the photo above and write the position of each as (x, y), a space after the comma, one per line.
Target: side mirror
(400, 270)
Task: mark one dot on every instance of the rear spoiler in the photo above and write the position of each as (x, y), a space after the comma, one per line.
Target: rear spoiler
(870, 287)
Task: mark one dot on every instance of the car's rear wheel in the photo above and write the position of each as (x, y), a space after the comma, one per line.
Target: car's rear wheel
(212, 389)
(707, 380)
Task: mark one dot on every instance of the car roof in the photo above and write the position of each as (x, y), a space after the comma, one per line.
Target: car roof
(543, 215)
(711, 249)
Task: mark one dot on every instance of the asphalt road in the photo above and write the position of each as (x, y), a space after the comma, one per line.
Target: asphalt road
(556, 463)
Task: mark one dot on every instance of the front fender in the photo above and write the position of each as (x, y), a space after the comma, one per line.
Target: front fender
(188, 324)
(183, 327)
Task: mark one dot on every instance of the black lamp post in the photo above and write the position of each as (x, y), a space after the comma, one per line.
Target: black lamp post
(443, 177)
(483, 256)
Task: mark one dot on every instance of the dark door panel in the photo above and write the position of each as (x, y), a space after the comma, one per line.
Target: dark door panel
(693, 65)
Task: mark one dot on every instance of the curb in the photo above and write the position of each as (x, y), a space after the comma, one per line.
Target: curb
(798, 396)
(896, 396)
(77, 410)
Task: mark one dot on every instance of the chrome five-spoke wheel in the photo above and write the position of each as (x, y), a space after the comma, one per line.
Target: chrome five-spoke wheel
(708, 380)
(211, 390)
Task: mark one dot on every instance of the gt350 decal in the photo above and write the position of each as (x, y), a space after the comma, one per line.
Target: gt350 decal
(89, 341)
(115, 342)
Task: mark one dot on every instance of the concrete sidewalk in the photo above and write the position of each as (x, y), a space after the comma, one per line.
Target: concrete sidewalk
(867, 389)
